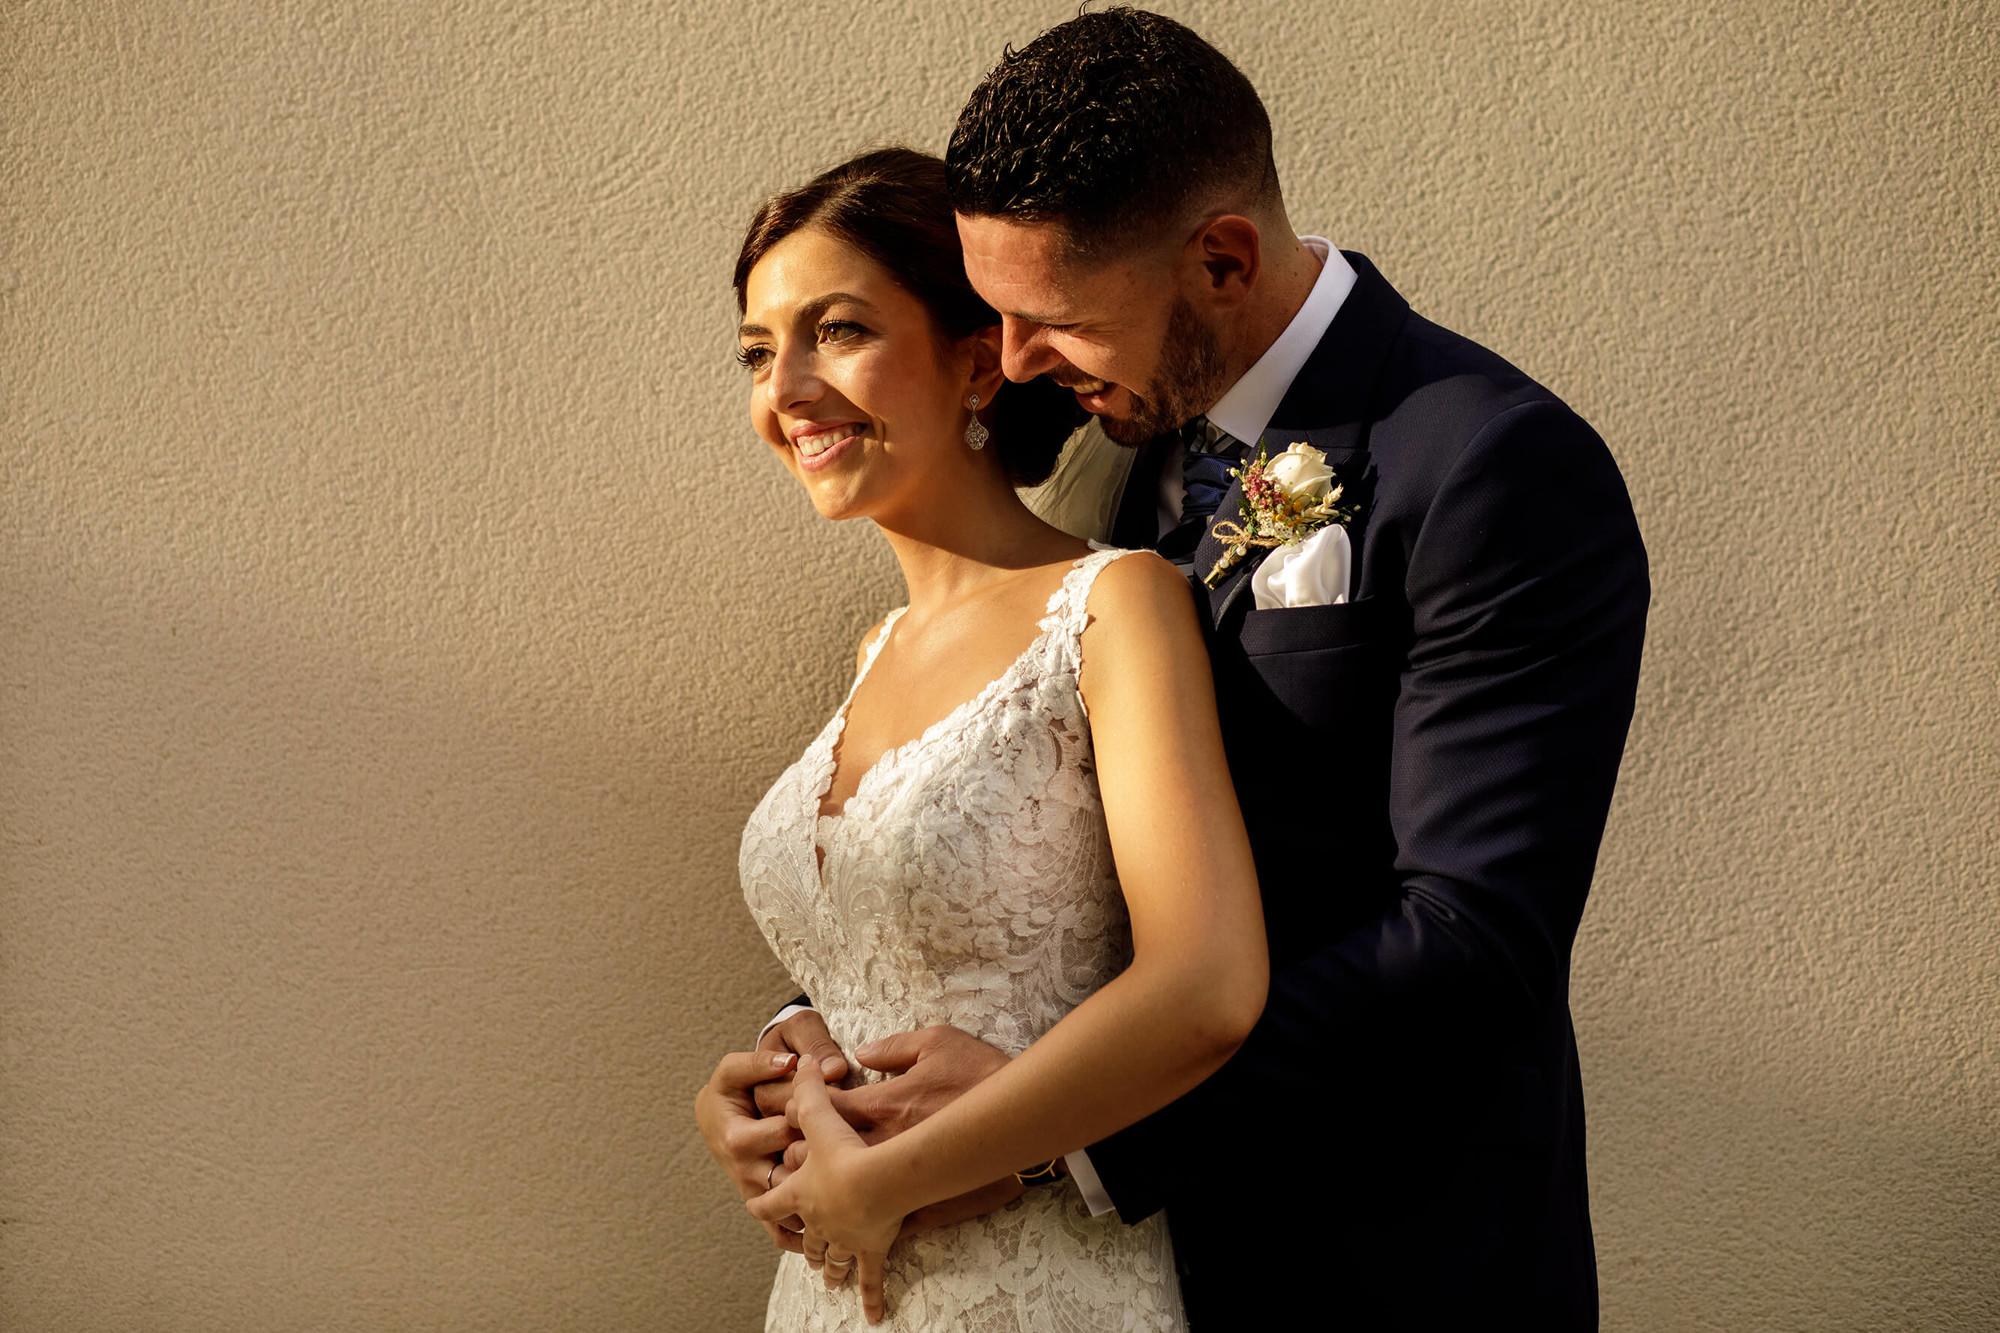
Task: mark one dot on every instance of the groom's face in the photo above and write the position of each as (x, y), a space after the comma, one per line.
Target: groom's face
(1121, 333)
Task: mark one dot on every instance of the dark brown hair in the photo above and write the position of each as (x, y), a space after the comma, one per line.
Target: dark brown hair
(891, 205)
(1114, 125)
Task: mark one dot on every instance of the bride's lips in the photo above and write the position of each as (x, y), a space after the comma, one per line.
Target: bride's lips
(820, 446)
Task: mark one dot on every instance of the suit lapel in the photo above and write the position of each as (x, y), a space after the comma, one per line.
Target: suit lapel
(1329, 406)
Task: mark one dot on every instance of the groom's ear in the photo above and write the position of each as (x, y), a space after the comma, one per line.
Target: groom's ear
(985, 376)
(1229, 256)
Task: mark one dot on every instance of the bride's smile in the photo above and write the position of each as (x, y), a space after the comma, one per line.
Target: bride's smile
(852, 384)
(818, 445)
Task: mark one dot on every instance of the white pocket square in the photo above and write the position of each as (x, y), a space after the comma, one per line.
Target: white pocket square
(1313, 572)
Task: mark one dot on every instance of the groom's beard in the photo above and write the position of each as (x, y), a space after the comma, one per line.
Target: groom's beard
(1188, 382)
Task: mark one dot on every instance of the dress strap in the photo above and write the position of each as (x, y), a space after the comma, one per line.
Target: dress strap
(1068, 608)
(875, 647)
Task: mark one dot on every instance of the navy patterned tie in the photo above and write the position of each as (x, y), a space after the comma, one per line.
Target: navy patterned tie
(1207, 455)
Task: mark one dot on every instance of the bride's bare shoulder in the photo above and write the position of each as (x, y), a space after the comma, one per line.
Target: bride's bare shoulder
(1140, 584)
(1141, 652)
(1141, 599)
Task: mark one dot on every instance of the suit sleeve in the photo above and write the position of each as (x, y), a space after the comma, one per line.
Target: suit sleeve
(1527, 592)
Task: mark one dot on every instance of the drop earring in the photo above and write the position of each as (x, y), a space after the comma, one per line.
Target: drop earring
(976, 434)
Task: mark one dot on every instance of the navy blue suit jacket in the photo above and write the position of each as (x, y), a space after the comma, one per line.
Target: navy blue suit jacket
(1425, 773)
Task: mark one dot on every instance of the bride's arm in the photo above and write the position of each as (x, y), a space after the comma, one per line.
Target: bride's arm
(1199, 966)
(1199, 969)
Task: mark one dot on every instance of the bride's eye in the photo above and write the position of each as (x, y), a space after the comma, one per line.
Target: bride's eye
(840, 331)
(752, 358)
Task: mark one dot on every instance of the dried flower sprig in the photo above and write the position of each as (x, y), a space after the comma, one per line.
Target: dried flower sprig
(1285, 500)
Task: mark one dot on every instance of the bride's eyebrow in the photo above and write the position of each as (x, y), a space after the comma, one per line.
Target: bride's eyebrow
(811, 311)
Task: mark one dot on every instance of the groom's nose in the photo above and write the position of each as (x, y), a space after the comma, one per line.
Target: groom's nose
(1024, 349)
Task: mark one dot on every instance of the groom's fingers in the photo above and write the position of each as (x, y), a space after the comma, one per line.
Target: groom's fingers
(784, 1237)
(895, 1054)
(805, 1033)
(740, 1071)
(751, 1140)
(772, 1095)
(933, 1067)
(776, 1204)
(742, 1143)
(793, 1226)
(812, 1110)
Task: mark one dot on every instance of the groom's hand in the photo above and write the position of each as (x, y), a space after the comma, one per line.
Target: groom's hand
(932, 1067)
(745, 1144)
(804, 1035)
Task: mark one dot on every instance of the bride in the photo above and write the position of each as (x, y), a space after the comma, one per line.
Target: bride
(1020, 821)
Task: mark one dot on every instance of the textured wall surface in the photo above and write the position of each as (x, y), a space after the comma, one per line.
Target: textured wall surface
(398, 620)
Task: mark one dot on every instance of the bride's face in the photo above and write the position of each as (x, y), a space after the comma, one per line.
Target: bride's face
(850, 384)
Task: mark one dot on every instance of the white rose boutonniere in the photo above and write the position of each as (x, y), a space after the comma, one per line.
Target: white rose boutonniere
(1301, 473)
(1285, 500)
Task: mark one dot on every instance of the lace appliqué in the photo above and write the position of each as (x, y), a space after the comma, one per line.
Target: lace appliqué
(968, 880)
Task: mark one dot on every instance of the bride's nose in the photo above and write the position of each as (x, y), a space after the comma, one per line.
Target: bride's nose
(794, 379)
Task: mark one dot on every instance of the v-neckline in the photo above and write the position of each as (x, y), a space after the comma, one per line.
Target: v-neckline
(1044, 627)
(893, 753)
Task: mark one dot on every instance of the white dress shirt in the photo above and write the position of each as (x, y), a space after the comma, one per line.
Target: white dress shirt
(1247, 407)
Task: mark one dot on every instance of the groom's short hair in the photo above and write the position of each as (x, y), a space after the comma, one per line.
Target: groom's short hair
(1115, 124)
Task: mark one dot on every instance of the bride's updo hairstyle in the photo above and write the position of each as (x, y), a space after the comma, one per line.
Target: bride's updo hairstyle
(891, 205)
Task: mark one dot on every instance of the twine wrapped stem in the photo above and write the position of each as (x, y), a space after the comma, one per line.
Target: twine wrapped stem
(1296, 529)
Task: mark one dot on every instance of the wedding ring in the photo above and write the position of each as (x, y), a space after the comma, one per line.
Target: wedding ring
(841, 1263)
(769, 1176)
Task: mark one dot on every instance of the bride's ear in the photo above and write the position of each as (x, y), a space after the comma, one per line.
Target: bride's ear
(985, 377)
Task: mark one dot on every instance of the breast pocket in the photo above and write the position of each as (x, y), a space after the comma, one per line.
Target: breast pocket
(1330, 669)
(1293, 629)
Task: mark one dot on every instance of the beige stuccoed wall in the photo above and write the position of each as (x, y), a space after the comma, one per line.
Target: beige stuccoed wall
(397, 621)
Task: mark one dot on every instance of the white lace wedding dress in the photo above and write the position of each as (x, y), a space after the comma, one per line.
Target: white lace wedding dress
(967, 881)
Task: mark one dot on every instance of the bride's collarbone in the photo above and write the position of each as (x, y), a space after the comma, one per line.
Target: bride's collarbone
(927, 671)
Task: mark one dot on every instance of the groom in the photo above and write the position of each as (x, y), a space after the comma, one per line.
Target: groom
(1424, 758)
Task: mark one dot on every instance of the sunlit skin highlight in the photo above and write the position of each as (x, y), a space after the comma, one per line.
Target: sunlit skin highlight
(836, 347)
(1108, 328)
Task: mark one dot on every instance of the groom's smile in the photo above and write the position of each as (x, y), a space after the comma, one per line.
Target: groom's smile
(1119, 333)
(1094, 394)
(1095, 329)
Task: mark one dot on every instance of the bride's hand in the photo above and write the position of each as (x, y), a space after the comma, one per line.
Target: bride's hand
(838, 1193)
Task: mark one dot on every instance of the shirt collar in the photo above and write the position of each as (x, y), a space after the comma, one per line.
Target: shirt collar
(1250, 403)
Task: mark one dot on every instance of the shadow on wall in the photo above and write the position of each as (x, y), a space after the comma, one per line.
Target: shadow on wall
(359, 970)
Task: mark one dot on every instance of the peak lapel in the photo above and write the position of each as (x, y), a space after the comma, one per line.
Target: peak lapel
(1329, 406)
